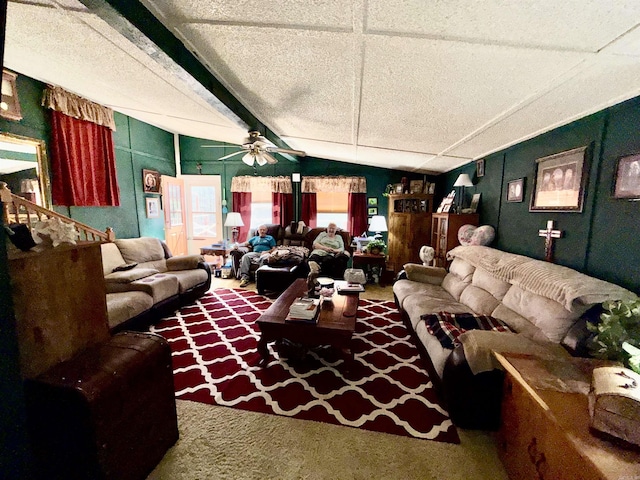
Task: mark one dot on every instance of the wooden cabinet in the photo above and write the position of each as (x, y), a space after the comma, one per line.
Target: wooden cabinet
(59, 302)
(409, 228)
(444, 232)
(544, 430)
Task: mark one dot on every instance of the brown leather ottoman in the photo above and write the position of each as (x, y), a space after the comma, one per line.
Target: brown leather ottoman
(108, 413)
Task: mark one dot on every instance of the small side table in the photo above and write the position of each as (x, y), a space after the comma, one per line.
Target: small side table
(361, 260)
(216, 249)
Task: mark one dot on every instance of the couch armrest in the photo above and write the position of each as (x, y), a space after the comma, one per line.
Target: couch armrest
(424, 274)
(184, 262)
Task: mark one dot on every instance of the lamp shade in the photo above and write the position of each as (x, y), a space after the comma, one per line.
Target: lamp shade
(463, 181)
(233, 220)
(378, 224)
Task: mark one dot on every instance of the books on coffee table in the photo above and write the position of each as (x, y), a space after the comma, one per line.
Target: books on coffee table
(304, 310)
(345, 288)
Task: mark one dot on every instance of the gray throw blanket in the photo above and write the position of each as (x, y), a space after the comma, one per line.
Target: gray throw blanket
(568, 287)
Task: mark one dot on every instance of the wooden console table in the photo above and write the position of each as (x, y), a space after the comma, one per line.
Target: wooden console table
(361, 260)
(544, 430)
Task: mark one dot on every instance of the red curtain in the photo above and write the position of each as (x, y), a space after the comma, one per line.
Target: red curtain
(309, 209)
(357, 213)
(83, 164)
(282, 208)
(242, 205)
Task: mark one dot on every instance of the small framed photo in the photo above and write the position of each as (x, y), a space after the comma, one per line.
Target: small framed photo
(153, 207)
(446, 208)
(480, 168)
(627, 182)
(397, 188)
(416, 186)
(372, 201)
(432, 188)
(475, 201)
(515, 190)
(559, 181)
(151, 181)
(372, 211)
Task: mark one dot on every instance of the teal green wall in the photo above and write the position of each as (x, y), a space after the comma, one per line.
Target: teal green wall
(604, 239)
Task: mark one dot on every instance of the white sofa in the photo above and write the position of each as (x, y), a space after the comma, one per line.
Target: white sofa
(540, 302)
(144, 281)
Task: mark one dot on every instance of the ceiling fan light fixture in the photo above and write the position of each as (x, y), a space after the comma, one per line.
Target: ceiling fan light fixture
(261, 159)
(248, 159)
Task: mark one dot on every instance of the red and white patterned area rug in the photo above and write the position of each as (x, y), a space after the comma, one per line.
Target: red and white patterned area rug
(215, 361)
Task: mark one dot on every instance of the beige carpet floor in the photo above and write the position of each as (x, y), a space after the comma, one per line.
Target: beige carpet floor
(224, 443)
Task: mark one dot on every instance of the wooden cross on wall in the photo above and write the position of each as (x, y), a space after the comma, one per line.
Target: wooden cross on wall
(549, 235)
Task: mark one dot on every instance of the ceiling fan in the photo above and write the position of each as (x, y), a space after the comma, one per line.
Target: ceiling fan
(258, 149)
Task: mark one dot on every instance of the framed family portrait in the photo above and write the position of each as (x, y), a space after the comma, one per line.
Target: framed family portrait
(416, 186)
(151, 181)
(559, 181)
(627, 179)
(515, 190)
(153, 207)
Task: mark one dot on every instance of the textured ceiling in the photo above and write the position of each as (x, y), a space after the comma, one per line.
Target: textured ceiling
(408, 84)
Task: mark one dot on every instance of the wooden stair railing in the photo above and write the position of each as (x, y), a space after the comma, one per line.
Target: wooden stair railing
(21, 210)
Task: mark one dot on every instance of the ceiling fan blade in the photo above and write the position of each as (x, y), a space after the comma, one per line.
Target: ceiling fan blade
(231, 155)
(299, 153)
(261, 160)
(269, 158)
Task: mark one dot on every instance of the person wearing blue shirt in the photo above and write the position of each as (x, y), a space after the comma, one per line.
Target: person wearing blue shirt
(261, 246)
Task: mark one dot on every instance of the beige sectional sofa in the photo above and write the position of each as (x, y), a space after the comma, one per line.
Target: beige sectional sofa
(545, 305)
(145, 282)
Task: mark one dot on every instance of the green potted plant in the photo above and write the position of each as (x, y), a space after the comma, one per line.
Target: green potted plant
(617, 333)
(376, 247)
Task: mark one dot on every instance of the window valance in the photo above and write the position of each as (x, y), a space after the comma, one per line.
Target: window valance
(334, 184)
(248, 183)
(72, 105)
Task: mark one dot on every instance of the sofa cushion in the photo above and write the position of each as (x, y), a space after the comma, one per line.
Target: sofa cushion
(403, 289)
(140, 250)
(418, 305)
(424, 274)
(454, 285)
(484, 280)
(111, 257)
(548, 315)
(125, 305)
(128, 276)
(480, 301)
(447, 327)
(188, 279)
(160, 286)
(519, 324)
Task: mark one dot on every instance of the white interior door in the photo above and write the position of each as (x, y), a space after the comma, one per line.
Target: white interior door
(203, 208)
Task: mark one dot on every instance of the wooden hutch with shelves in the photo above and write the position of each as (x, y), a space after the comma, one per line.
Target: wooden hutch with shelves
(444, 233)
(409, 228)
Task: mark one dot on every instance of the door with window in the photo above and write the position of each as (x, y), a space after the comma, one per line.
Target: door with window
(203, 211)
(175, 228)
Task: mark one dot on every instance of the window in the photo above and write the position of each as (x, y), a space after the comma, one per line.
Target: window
(203, 211)
(332, 207)
(261, 208)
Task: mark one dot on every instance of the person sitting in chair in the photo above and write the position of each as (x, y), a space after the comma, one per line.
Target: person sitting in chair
(328, 252)
(261, 245)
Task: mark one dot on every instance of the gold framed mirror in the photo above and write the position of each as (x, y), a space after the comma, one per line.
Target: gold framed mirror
(24, 166)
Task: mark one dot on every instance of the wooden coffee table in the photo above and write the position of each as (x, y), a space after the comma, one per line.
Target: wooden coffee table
(335, 326)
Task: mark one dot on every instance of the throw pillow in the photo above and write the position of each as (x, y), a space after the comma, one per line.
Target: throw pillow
(447, 327)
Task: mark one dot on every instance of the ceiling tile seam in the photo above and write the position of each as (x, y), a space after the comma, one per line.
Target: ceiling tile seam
(471, 41)
(138, 39)
(266, 26)
(618, 39)
(358, 72)
(164, 115)
(552, 85)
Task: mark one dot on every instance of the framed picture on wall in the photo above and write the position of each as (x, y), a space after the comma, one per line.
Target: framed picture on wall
(153, 207)
(372, 201)
(515, 190)
(480, 168)
(559, 181)
(372, 211)
(627, 179)
(150, 181)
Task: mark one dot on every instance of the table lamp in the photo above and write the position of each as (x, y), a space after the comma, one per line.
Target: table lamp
(377, 225)
(462, 181)
(234, 220)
